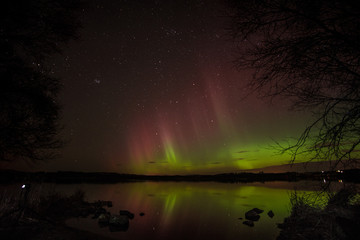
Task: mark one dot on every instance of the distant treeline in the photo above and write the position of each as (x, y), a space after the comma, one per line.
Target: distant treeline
(10, 176)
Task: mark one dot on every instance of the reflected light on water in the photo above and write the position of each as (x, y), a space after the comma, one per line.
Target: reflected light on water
(186, 210)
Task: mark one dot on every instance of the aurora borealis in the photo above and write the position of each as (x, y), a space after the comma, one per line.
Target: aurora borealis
(150, 88)
(203, 131)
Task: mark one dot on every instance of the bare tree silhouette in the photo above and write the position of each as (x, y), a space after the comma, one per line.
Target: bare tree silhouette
(309, 52)
(31, 31)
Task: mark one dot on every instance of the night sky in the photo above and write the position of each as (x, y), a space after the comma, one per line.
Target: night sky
(151, 88)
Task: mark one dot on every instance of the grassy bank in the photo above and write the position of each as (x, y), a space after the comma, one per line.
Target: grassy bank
(329, 217)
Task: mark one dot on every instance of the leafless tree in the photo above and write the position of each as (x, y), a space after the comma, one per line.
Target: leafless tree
(31, 31)
(307, 51)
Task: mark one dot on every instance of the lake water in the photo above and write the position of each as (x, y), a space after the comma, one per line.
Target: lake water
(188, 210)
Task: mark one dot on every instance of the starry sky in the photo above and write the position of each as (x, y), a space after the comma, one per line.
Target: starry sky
(150, 87)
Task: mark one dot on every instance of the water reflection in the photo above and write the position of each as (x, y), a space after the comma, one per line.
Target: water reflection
(178, 210)
(185, 210)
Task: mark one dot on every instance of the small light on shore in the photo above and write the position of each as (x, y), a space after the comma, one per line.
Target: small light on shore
(23, 186)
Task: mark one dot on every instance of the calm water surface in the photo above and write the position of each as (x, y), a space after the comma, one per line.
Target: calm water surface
(186, 210)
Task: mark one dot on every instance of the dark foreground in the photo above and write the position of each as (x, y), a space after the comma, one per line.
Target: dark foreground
(45, 230)
(338, 219)
(44, 218)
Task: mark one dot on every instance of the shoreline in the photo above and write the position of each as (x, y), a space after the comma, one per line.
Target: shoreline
(12, 176)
